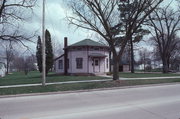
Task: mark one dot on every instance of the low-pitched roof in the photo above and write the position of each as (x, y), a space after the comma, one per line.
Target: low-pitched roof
(58, 57)
(88, 42)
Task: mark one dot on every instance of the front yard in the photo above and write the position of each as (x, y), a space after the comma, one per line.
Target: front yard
(35, 77)
(82, 86)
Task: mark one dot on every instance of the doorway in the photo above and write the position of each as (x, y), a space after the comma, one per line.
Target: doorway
(96, 65)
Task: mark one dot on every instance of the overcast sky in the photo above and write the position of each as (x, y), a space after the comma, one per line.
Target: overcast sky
(57, 24)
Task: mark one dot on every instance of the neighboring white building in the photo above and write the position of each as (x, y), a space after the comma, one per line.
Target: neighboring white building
(2, 70)
(2, 67)
(153, 65)
(84, 57)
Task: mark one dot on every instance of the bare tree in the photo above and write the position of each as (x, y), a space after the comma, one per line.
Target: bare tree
(175, 56)
(103, 17)
(29, 64)
(24, 63)
(8, 53)
(12, 12)
(145, 58)
(9, 58)
(165, 22)
(57, 48)
(127, 11)
(18, 63)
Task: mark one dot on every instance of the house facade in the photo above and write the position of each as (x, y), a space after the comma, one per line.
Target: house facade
(84, 57)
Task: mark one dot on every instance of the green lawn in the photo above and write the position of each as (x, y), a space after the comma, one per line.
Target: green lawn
(35, 77)
(82, 86)
(142, 75)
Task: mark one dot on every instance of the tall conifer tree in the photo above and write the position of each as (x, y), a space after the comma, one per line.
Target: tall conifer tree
(39, 54)
(49, 51)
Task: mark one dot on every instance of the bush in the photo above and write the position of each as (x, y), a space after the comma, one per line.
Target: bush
(109, 73)
(148, 68)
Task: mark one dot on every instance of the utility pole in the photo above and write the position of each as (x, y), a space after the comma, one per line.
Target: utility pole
(43, 46)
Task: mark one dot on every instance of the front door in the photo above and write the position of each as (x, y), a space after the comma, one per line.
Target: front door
(96, 65)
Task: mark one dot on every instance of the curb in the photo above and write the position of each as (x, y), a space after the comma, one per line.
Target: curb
(88, 90)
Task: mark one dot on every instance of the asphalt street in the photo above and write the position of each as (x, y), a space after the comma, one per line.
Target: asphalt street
(156, 102)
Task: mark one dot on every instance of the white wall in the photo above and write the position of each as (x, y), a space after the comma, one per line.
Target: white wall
(103, 67)
(87, 62)
(72, 55)
(2, 71)
(57, 70)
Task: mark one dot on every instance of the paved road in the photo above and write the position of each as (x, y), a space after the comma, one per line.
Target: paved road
(158, 102)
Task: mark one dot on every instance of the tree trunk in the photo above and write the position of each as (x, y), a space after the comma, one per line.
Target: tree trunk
(132, 56)
(165, 65)
(115, 67)
(2, 7)
(144, 60)
(110, 70)
(168, 63)
(7, 68)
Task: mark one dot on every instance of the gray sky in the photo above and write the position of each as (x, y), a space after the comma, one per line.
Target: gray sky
(56, 23)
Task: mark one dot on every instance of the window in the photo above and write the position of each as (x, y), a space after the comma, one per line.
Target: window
(79, 48)
(96, 48)
(101, 48)
(60, 64)
(79, 63)
(96, 62)
(91, 48)
(107, 63)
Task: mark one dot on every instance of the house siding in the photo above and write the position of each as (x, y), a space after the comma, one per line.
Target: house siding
(102, 62)
(72, 55)
(57, 69)
(87, 61)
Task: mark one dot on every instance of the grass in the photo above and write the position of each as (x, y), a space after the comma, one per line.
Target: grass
(152, 70)
(82, 86)
(142, 75)
(35, 77)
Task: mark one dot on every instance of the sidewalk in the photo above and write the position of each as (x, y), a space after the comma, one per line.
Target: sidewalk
(121, 78)
(87, 81)
(66, 82)
(172, 77)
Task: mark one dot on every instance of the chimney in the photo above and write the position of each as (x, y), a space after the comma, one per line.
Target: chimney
(65, 42)
(65, 56)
